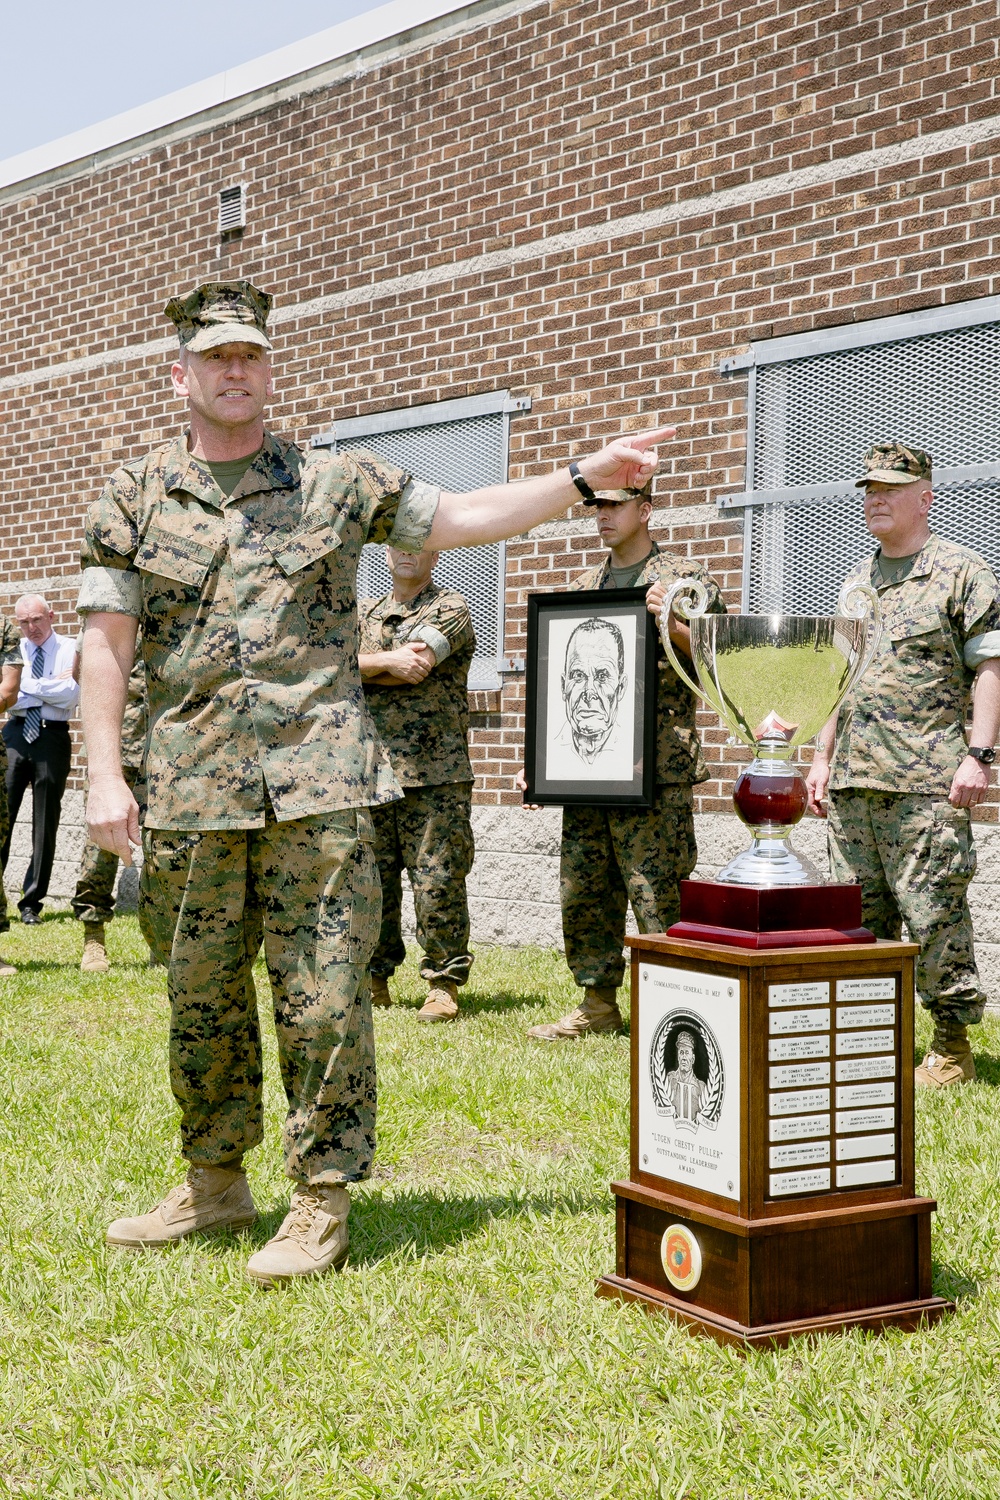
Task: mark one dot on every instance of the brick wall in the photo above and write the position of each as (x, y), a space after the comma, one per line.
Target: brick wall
(586, 202)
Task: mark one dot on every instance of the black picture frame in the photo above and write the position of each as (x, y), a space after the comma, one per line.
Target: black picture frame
(570, 760)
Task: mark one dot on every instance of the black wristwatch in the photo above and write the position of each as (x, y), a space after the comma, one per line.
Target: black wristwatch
(985, 757)
(580, 482)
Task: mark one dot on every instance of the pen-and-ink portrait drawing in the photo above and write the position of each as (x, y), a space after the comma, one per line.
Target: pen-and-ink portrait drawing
(591, 709)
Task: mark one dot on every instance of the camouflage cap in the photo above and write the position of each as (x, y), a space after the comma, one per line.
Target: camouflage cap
(221, 312)
(618, 497)
(894, 463)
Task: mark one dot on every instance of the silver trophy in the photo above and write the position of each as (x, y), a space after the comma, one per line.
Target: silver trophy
(774, 680)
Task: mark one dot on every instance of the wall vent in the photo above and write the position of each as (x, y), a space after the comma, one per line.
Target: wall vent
(232, 208)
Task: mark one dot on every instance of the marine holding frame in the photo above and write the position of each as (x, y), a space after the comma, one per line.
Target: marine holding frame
(591, 699)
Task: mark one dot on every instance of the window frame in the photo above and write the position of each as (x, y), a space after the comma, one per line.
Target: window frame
(434, 414)
(817, 342)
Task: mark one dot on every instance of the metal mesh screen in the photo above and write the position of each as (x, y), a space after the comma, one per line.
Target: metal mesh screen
(460, 455)
(803, 551)
(813, 419)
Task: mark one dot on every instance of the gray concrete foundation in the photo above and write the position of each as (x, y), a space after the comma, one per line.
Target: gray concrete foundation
(514, 883)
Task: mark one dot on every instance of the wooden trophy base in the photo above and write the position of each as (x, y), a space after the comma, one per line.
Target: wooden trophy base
(797, 916)
(766, 1282)
(771, 1171)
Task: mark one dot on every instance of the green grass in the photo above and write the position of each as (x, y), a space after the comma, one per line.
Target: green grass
(463, 1353)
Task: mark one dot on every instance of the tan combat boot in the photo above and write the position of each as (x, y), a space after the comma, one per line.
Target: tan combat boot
(6, 969)
(95, 959)
(441, 1003)
(380, 992)
(950, 1059)
(596, 1015)
(313, 1237)
(208, 1198)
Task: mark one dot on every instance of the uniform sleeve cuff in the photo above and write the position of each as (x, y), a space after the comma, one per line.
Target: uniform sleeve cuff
(439, 644)
(980, 648)
(112, 591)
(414, 516)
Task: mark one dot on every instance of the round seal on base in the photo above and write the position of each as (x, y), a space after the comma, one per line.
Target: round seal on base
(681, 1257)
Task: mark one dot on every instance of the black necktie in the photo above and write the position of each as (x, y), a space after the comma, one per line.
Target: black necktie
(33, 716)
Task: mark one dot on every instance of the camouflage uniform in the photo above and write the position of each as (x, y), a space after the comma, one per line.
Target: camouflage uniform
(261, 761)
(93, 899)
(615, 855)
(900, 740)
(10, 656)
(425, 727)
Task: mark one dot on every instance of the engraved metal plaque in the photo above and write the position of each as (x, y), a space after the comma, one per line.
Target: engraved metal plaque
(866, 1067)
(799, 1127)
(793, 1104)
(864, 1094)
(815, 992)
(800, 1075)
(866, 989)
(782, 1049)
(785, 1022)
(816, 1181)
(865, 1015)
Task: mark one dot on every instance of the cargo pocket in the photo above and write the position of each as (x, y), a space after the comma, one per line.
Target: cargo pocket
(954, 853)
(351, 905)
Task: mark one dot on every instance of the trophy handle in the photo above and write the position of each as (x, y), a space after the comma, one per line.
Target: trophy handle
(855, 602)
(694, 610)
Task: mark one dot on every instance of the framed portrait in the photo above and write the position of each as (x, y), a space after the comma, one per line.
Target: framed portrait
(590, 732)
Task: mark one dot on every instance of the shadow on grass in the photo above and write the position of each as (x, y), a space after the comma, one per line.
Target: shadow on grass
(952, 1282)
(422, 1221)
(46, 965)
(987, 1068)
(473, 1003)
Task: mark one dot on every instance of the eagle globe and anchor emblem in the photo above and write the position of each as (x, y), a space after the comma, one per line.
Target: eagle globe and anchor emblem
(680, 1254)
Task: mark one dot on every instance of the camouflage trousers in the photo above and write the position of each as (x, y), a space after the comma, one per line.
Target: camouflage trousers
(913, 857)
(310, 889)
(93, 899)
(429, 834)
(612, 856)
(4, 833)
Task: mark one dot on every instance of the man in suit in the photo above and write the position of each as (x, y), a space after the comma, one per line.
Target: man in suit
(37, 740)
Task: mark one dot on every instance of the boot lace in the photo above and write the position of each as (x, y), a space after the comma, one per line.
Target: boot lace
(301, 1216)
(185, 1192)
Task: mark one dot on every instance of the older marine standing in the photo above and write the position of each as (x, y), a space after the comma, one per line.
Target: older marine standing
(901, 774)
(416, 645)
(238, 555)
(614, 856)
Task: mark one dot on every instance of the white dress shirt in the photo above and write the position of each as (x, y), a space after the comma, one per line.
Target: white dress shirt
(55, 695)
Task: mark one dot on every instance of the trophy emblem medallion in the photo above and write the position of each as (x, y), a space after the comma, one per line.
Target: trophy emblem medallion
(681, 1257)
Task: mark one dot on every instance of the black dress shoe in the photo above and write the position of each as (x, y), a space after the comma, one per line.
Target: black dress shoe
(30, 917)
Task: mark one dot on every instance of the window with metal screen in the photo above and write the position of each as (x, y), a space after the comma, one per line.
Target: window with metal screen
(819, 400)
(459, 445)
